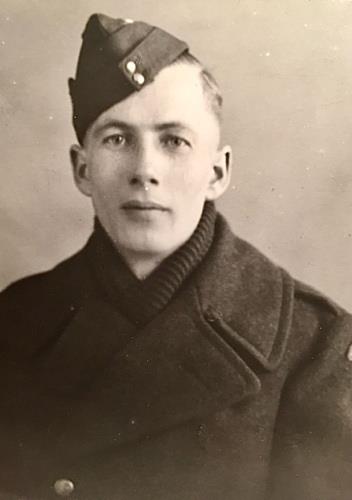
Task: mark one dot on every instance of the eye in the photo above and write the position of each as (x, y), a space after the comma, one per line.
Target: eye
(115, 140)
(175, 142)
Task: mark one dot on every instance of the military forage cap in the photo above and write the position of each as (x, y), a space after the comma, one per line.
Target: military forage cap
(117, 58)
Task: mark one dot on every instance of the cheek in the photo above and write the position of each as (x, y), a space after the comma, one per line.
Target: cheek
(105, 174)
(195, 176)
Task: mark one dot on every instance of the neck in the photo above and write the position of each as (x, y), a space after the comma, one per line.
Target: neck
(141, 265)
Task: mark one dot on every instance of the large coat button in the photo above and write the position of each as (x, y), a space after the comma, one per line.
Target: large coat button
(64, 487)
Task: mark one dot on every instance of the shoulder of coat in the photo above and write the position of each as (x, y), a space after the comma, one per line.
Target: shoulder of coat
(310, 295)
(33, 305)
(33, 286)
(325, 328)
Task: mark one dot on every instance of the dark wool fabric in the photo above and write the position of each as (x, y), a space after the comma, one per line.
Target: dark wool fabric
(141, 300)
(239, 388)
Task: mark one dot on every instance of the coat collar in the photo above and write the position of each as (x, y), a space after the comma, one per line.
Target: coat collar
(195, 358)
(246, 296)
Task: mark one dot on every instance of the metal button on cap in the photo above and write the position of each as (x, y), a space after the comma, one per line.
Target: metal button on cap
(64, 487)
(128, 21)
(349, 353)
(131, 66)
(139, 78)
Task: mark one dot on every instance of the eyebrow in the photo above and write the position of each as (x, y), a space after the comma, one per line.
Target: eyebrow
(112, 124)
(127, 126)
(174, 125)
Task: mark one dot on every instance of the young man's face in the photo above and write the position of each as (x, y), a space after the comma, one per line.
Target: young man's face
(150, 162)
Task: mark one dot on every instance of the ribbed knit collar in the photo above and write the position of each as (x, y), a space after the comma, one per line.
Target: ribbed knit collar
(141, 300)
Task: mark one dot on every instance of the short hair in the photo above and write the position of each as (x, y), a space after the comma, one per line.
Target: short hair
(210, 85)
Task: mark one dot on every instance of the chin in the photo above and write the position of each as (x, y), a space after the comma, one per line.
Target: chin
(151, 246)
(157, 242)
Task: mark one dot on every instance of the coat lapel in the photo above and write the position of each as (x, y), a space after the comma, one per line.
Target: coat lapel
(140, 382)
(246, 298)
(192, 360)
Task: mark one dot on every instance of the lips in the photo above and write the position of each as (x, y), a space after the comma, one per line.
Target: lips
(143, 205)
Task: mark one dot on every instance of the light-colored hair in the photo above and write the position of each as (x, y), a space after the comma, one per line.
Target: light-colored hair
(210, 85)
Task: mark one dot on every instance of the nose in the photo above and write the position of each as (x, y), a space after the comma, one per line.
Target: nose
(146, 171)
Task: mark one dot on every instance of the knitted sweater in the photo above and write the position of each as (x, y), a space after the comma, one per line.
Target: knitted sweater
(142, 300)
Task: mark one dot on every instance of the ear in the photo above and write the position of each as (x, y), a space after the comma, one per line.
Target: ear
(221, 177)
(80, 169)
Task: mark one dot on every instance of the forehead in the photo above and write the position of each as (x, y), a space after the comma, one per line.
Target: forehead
(176, 95)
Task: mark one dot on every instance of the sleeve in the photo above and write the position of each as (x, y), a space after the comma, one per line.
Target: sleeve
(312, 448)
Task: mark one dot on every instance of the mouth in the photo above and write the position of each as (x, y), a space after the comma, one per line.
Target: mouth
(143, 205)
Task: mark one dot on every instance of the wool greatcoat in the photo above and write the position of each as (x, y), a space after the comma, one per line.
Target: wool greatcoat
(239, 389)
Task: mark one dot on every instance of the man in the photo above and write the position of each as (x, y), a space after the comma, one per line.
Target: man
(168, 359)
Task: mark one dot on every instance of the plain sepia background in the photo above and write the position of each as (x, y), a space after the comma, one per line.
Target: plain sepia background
(285, 67)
